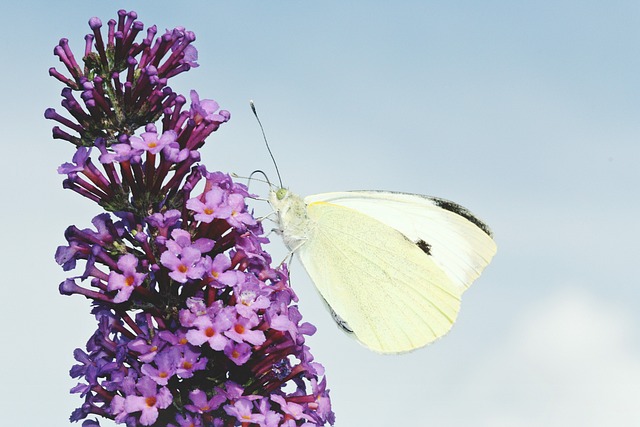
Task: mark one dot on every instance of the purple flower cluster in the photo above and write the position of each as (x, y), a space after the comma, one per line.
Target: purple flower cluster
(195, 327)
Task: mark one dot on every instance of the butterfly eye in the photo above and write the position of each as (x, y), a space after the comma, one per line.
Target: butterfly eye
(281, 193)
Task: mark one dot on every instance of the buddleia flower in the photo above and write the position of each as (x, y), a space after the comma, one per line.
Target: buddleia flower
(195, 325)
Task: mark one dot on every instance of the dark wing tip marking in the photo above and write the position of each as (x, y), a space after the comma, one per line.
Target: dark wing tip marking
(446, 205)
(463, 212)
(426, 248)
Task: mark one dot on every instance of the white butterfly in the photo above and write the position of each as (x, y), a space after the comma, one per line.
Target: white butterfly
(392, 267)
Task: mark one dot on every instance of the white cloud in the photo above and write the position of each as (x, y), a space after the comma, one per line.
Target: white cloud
(570, 360)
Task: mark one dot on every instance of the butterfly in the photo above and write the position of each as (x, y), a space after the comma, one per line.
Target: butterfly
(391, 267)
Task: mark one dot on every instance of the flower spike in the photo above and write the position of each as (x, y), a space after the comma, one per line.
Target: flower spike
(195, 327)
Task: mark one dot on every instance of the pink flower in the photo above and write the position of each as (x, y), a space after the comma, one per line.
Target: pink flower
(214, 206)
(218, 270)
(239, 217)
(242, 332)
(211, 331)
(239, 353)
(242, 410)
(166, 363)
(149, 402)
(129, 279)
(150, 141)
(184, 267)
(205, 110)
(200, 404)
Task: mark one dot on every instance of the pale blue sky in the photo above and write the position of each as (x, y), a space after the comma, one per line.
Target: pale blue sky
(527, 112)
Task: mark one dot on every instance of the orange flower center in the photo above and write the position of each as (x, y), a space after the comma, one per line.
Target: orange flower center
(150, 401)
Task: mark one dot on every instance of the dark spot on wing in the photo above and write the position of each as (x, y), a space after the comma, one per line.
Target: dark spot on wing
(463, 212)
(426, 248)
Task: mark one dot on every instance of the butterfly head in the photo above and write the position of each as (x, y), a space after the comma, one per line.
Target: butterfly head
(281, 193)
(277, 197)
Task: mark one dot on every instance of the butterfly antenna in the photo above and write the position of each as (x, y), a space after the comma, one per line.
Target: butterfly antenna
(258, 171)
(255, 113)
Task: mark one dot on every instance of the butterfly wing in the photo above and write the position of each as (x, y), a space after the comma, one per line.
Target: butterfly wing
(459, 242)
(393, 266)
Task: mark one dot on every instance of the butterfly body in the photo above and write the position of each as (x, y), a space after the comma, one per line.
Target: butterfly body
(293, 221)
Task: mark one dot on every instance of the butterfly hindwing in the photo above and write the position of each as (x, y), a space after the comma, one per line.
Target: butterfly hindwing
(389, 290)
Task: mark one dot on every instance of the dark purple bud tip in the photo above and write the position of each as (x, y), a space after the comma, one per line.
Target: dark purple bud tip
(67, 184)
(58, 133)
(68, 287)
(95, 23)
(50, 113)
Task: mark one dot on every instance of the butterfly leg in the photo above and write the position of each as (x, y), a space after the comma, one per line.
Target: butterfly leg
(267, 216)
(289, 256)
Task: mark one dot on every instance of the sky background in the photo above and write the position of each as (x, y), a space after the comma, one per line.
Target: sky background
(527, 113)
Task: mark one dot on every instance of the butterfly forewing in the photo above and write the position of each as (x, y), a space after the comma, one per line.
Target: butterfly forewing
(456, 240)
